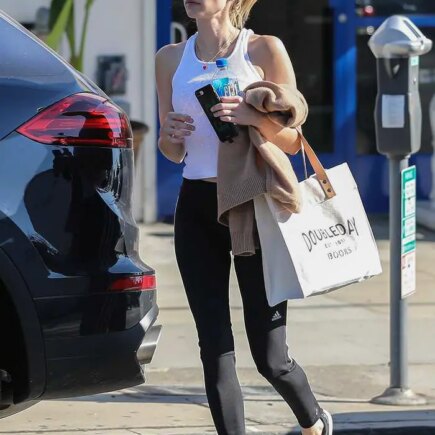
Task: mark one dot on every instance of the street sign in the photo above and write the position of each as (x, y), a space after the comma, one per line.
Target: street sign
(409, 193)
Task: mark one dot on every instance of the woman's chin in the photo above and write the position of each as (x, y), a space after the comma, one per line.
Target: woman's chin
(194, 15)
(192, 9)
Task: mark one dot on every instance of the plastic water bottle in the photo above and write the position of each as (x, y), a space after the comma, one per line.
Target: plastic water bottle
(224, 82)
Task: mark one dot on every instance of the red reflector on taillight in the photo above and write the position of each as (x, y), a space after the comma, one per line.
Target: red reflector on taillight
(139, 282)
(81, 119)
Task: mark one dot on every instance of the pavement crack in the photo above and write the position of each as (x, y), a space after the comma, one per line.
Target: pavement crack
(252, 420)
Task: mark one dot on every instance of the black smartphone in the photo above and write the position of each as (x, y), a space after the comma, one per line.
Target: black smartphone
(208, 98)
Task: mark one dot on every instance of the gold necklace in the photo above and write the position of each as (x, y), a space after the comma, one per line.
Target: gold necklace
(224, 47)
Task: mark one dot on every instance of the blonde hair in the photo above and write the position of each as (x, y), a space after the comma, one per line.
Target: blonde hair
(239, 12)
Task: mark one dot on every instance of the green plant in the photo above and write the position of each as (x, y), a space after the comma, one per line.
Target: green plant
(62, 21)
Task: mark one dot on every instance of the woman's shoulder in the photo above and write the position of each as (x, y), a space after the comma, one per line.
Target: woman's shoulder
(268, 54)
(169, 56)
(263, 46)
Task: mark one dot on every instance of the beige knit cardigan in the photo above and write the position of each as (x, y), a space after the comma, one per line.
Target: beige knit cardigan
(252, 166)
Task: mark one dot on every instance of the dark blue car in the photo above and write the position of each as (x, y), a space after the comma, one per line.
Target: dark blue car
(77, 303)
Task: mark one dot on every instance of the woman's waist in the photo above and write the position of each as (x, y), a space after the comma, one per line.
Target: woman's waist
(198, 171)
(198, 199)
(200, 183)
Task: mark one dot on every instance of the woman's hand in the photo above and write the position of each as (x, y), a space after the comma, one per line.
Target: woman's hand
(237, 111)
(176, 127)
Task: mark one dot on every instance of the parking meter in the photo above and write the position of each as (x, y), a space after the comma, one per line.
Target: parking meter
(397, 45)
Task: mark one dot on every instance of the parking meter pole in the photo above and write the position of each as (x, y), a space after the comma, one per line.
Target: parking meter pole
(398, 306)
(398, 393)
(397, 45)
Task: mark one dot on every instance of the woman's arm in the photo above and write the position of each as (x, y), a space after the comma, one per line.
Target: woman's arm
(270, 54)
(172, 125)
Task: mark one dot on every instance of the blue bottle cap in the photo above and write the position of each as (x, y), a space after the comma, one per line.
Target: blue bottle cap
(222, 62)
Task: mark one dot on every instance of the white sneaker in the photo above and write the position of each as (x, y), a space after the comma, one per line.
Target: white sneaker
(326, 418)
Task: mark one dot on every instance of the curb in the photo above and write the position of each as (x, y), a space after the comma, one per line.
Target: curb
(373, 429)
(412, 430)
(409, 430)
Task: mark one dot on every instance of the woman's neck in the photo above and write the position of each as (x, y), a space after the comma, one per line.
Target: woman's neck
(213, 35)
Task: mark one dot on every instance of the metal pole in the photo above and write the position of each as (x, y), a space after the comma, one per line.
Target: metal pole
(398, 306)
(398, 393)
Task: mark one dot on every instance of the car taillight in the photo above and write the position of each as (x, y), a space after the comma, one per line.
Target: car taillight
(80, 119)
(137, 282)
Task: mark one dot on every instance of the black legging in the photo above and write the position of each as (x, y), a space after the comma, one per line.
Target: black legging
(202, 247)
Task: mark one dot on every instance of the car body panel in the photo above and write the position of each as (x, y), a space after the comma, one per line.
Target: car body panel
(67, 230)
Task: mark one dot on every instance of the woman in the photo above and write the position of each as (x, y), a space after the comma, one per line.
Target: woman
(202, 244)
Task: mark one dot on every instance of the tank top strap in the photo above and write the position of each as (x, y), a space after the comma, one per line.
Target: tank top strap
(245, 41)
(189, 48)
(239, 42)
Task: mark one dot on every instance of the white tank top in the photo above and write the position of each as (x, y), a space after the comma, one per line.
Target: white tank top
(202, 146)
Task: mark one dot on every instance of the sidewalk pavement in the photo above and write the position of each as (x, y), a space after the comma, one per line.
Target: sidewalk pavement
(340, 339)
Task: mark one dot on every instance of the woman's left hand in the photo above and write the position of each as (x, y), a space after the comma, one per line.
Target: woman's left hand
(235, 110)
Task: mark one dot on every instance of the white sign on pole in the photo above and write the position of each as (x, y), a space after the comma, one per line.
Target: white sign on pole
(409, 193)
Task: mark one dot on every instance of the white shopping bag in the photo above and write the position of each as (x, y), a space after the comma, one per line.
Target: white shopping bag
(327, 246)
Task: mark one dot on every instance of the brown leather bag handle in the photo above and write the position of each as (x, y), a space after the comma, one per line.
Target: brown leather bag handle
(319, 170)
